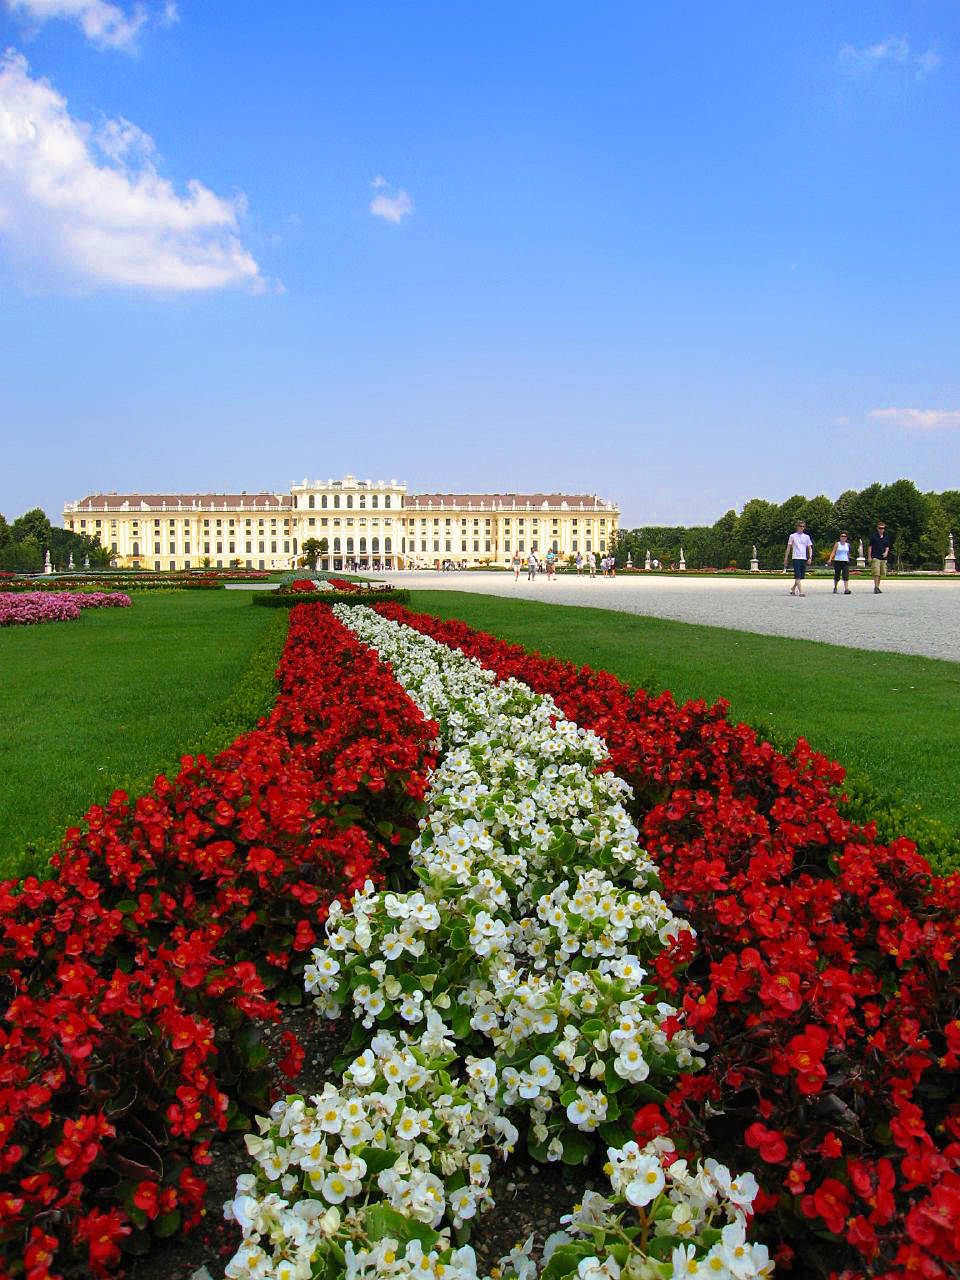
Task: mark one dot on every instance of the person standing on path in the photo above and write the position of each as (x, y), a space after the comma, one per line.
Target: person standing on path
(840, 559)
(879, 554)
(516, 566)
(800, 550)
(531, 567)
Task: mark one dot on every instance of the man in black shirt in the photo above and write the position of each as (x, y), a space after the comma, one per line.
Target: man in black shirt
(879, 554)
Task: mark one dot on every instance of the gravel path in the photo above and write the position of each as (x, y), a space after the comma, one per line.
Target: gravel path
(908, 617)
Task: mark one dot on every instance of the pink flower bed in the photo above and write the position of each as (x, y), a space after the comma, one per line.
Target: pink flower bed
(24, 608)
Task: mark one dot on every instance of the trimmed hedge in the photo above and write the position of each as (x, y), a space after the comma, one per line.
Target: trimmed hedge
(286, 600)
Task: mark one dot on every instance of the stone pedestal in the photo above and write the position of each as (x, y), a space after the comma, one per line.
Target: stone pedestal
(683, 563)
(646, 563)
(950, 559)
(47, 566)
(861, 562)
(754, 562)
(629, 561)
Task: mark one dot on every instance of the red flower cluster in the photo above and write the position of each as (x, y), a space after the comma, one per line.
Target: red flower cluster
(132, 978)
(826, 977)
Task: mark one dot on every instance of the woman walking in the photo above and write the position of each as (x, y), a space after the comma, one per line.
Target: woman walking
(840, 559)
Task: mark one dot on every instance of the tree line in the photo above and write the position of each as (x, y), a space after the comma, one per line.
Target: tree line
(919, 525)
(25, 542)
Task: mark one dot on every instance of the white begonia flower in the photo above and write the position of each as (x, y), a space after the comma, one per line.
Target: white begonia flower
(363, 1070)
(593, 1269)
(647, 1182)
(685, 1263)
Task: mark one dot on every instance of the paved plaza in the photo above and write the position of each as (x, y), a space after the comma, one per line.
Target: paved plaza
(908, 617)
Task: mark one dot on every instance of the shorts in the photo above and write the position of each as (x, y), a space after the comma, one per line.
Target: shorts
(879, 568)
(799, 568)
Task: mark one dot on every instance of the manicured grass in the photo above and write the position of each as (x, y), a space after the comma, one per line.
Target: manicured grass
(111, 700)
(891, 717)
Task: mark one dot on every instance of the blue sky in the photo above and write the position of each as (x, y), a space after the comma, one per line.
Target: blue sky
(679, 256)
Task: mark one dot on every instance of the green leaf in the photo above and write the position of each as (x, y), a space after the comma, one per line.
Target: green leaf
(167, 1223)
(458, 938)
(576, 1148)
(377, 1159)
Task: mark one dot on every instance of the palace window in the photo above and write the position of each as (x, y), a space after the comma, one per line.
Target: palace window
(386, 501)
(156, 548)
(373, 500)
(173, 548)
(388, 544)
(323, 501)
(312, 502)
(349, 499)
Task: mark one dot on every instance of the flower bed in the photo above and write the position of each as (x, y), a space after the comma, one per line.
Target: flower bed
(533, 915)
(133, 977)
(29, 608)
(827, 980)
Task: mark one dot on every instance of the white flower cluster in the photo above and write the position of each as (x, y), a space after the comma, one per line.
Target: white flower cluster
(526, 939)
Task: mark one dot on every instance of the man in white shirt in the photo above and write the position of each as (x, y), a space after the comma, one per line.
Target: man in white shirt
(800, 550)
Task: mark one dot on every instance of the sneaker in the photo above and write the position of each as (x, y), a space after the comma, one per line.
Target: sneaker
(848, 593)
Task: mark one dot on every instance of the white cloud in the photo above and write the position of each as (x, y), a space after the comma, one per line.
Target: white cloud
(102, 22)
(917, 419)
(392, 207)
(89, 204)
(895, 51)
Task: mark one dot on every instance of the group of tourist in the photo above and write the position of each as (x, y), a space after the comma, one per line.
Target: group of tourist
(548, 565)
(800, 552)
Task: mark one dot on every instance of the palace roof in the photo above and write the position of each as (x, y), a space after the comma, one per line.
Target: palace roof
(561, 501)
(183, 501)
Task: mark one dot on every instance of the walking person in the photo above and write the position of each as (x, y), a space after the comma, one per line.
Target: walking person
(840, 559)
(800, 550)
(551, 559)
(516, 567)
(592, 564)
(579, 563)
(531, 567)
(879, 555)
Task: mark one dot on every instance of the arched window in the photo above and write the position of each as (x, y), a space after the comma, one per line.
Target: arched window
(136, 548)
(323, 501)
(386, 501)
(336, 545)
(349, 546)
(387, 544)
(313, 502)
(294, 546)
(363, 545)
(336, 499)
(349, 499)
(375, 545)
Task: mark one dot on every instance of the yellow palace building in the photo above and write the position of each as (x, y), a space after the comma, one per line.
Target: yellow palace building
(366, 525)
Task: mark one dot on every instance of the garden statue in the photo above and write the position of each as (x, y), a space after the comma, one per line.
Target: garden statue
(646, 563)
(754, 562)
(861, 562)
(683, 563)
(70, 562)
(47, 566)
(86, 562)
(950, 561)
(629, 561)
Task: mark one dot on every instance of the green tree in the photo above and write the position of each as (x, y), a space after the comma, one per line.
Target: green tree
(31, 526)
(950, 504)
(864, 514)
(904, 508)
(4, 531)
(311, 548)
(936, 534)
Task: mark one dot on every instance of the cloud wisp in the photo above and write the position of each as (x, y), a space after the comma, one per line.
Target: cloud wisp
(892, 52)
(88, 205)
(107, 25)
(917, 419)
(392, 204)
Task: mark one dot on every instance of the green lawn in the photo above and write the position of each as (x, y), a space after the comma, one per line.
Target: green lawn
(891, 717)
(112, 699)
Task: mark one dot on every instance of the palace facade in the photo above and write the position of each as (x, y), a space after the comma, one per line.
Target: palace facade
(367, 525)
